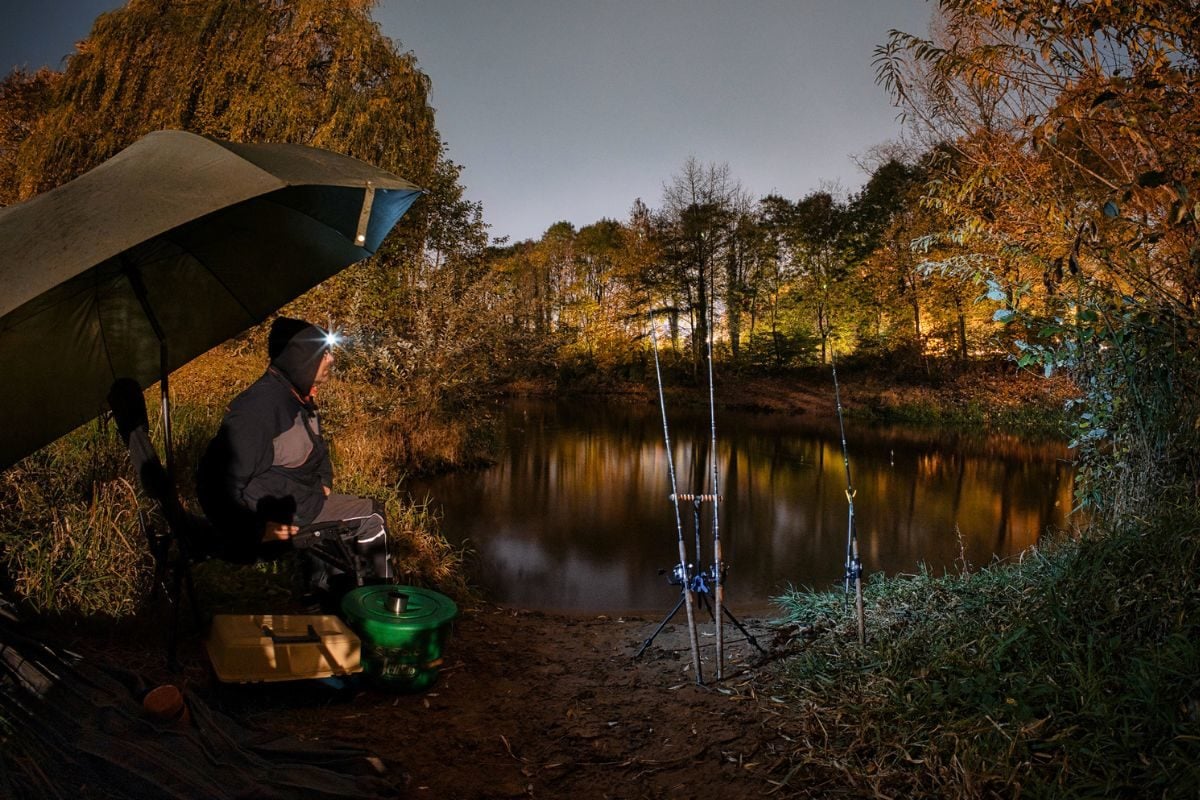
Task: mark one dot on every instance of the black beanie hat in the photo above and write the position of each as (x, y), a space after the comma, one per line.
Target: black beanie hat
(295, 348)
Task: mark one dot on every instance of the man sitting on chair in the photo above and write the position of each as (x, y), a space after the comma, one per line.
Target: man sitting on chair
(267, 473)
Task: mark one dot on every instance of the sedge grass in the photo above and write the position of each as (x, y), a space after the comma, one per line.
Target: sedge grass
(1074, 673)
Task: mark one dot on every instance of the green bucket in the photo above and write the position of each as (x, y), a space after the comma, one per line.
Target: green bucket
(403, 630)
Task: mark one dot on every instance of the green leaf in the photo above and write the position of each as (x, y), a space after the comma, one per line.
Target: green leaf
(1004, 315)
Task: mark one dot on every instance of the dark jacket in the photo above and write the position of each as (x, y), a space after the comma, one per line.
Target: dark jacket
(268, 461)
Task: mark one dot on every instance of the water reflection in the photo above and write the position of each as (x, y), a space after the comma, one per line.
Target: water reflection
(575, 515)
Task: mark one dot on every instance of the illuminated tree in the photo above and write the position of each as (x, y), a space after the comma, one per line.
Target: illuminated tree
(1074, 130)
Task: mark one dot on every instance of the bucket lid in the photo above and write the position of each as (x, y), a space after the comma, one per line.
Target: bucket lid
(407, 607)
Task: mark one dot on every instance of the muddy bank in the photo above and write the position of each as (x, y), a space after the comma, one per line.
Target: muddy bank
(538, 705)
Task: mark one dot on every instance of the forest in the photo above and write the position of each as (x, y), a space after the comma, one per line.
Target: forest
(1039, 212)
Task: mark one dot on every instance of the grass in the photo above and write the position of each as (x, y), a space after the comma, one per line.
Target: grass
(72, 531)
(1073, 673)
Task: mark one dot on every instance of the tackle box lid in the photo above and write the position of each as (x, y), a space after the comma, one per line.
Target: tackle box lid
(250, 648)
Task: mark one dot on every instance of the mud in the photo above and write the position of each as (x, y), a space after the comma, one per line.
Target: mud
(539, 705)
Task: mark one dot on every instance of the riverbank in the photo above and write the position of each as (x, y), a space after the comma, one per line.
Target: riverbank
(993, 394)
(535, 705)
(550, 705)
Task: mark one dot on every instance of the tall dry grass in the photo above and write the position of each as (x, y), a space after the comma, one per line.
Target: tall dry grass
(73, 535)
(74, 529)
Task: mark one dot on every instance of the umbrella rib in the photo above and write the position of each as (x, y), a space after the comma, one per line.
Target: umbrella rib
(217, 278)
(112, 370)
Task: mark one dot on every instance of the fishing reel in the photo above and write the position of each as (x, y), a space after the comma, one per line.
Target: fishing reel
(677, 574)
(700, 580)
(854, 571)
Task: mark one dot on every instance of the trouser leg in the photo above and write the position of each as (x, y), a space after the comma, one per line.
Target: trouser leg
(365, 535)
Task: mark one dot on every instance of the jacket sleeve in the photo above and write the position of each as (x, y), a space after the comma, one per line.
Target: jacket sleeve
(250, 455)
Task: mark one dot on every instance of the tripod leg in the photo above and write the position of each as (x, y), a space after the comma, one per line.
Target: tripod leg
(661, 625)
(749, 636)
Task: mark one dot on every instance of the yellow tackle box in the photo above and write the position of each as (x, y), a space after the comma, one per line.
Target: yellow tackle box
(252, 648)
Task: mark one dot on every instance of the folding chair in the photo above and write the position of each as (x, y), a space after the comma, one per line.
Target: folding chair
(194, 537)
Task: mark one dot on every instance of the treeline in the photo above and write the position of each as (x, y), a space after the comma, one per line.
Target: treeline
(781, 281)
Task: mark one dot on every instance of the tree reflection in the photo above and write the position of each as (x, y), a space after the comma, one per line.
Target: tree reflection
(576, 514)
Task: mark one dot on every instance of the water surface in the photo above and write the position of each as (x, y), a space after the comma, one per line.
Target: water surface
(575, 515)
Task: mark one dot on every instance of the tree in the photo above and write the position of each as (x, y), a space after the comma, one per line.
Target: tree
(306, 71)
(24, 99)
(817, 236)
(1077, 163)
(700, 203)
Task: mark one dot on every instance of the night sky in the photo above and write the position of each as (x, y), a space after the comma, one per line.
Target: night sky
(570, 110)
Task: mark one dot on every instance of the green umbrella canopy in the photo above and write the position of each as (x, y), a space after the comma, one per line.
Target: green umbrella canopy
(172, 246)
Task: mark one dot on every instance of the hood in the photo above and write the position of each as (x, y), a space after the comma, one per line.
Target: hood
(296, 348)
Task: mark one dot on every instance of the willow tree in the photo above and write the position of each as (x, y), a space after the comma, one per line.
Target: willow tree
(24, 98)
(701, 205)
(314, 72)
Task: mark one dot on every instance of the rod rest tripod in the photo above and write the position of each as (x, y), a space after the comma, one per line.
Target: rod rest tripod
(702, 582)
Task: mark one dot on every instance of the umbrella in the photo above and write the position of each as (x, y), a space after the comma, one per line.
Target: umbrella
(162, 252)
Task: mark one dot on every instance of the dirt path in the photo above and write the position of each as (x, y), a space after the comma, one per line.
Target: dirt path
(539, 705)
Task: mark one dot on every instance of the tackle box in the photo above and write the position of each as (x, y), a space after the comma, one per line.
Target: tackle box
(253, 648)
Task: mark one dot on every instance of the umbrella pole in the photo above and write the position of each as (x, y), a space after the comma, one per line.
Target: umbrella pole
(139, 290)
(165, 398)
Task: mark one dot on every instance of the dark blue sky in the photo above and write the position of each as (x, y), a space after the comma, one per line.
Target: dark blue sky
(571, 109)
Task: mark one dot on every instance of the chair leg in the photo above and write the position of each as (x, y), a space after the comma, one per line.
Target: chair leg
(173, 632)
(182, 583)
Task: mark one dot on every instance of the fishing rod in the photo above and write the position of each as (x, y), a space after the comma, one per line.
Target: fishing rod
(688, 596)
(853, 561)
(718, 564)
